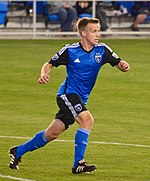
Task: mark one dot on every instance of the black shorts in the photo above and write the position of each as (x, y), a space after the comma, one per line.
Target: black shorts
(144, 10)
(70, 106)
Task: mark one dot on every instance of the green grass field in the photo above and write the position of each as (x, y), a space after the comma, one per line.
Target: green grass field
(119, 103)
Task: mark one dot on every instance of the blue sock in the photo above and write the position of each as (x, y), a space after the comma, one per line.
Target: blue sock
(36, 142)
(81, 141)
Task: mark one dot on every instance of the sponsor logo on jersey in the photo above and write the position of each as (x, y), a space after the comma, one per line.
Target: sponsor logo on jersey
(77, 60)
(98, 57)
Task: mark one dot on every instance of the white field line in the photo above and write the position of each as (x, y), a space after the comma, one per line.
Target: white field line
(14, 178)
(91, 142)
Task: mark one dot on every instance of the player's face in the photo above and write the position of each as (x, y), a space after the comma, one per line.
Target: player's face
(92, 33)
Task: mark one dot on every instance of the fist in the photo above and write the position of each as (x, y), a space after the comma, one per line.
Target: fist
(44, 79)
(124, 66)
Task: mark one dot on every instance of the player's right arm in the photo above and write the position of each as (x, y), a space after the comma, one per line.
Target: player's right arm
(45, 70)
(60, 58)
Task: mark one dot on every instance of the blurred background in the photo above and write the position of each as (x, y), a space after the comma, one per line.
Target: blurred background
(55, 19)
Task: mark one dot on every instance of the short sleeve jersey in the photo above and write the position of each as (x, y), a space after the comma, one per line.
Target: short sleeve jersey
(82, 67)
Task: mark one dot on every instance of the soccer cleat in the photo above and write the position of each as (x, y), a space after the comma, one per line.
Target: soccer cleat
(83, 167)
(14, 161)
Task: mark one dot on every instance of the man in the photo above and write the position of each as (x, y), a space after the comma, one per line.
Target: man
(140, 12)
(85, 8)
(66, 11)
(83, 61)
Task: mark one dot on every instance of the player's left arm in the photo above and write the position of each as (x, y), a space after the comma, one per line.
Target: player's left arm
(123, 66)
(111, 57)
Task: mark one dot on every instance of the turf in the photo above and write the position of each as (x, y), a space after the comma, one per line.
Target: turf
(119, 103)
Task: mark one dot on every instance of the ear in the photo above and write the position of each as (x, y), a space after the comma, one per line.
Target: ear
(83, 33)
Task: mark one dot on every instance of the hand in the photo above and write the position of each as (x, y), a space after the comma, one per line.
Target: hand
(123, 66)
(44, 79)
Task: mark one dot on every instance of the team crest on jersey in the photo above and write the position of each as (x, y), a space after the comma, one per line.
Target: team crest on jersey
(78, 107)
(98, 57)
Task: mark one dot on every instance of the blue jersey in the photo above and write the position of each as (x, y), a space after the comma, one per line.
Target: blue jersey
(82, 67)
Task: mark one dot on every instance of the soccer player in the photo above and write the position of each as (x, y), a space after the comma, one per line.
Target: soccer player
(83, 61)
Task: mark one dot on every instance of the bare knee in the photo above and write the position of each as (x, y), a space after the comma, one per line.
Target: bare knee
(51, 135)
(90, 122)
(85, 120)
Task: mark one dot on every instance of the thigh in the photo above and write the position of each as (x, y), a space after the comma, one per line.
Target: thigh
(72, 13)
(62, 13)
(70, 106)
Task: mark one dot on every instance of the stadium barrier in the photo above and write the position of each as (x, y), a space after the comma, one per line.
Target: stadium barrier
(35, 32)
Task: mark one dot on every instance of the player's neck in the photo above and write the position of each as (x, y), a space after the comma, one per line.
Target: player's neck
(86, 46)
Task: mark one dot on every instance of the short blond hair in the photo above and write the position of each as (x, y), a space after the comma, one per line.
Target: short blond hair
(83, 22)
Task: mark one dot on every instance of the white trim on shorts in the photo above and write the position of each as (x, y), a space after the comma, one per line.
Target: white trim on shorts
(68, 103)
